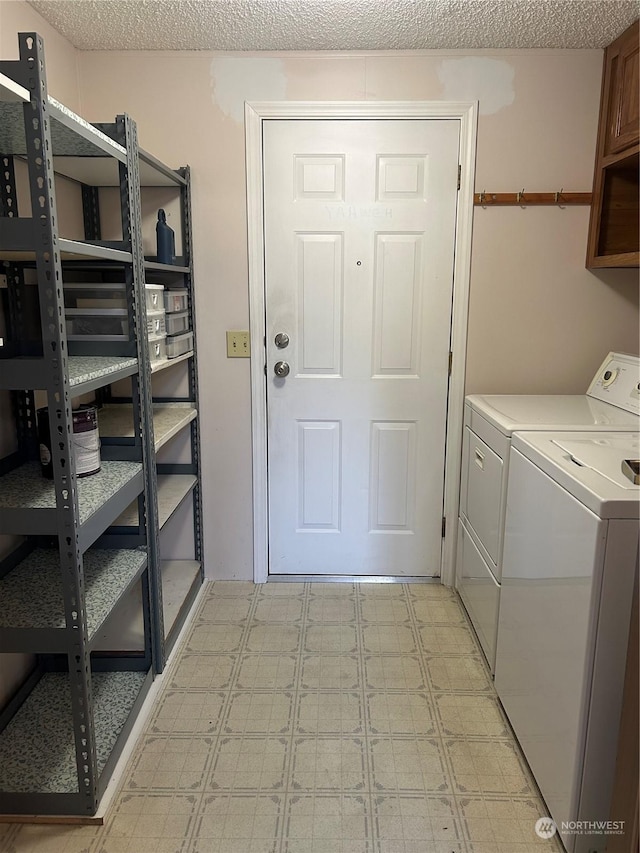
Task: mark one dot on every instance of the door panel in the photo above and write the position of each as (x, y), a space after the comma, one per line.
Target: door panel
(359, 249)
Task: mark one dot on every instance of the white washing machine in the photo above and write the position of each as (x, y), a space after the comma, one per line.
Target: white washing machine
(612, 402)
(569, 560)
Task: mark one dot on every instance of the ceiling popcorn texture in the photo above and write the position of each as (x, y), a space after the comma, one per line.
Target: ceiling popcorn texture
(280, 25)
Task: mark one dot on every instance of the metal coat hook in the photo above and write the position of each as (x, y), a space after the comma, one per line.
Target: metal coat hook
(519, 196)
(558, 197)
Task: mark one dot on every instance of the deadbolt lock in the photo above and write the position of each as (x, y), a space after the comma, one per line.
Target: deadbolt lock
(281, 340)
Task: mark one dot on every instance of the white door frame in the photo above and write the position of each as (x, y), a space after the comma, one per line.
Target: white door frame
(257, 112)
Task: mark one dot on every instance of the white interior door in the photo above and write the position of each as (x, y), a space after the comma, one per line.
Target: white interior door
(359, 251)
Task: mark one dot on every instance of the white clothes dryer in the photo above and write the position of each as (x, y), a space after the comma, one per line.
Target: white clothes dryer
(568, 565)
(612, 402)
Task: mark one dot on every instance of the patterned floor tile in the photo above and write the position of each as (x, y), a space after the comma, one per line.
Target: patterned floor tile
(319, 718)
(280, 590)
(438, 609)
(389, 639)
(411, 765)
(389, 672)
(471, 715)
(504, 823)
(238, 823)
(188, 712)
(329, 713)
(368, 591)
(203, 672)
(458, 674)
(329, 764)
(231, 589)
(327, 639)
(332, 590)
(400, 714)
(385, 610)
(35, 838)
(266, 672)
(487, 767)
(259, 713)
(446, 639)
(249, 764)
(327, 823)
(225, 610)
(325, 609)
(413, 819)
(213, 638)
(148, 822)
(273, 638)
(169, 764)
(279, 609)
(330, 672)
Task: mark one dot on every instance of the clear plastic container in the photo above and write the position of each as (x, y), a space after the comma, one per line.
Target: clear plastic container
(157, 348)
(179, 344)
(176, 300)
(154, 298)
(156, 323)
(177, 323)
(97, 324)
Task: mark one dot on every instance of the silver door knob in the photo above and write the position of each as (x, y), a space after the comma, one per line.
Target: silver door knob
(281, 368)
(281, 340)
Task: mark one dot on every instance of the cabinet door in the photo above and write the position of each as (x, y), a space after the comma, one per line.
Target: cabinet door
(623, 115)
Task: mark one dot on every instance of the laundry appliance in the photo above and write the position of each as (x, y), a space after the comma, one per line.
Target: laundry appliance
(568, 565)
(612, 402)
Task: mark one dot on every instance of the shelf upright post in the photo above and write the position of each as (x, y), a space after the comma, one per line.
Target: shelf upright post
(127, 136)
(56, 385)
(193, 369)
(22, 401)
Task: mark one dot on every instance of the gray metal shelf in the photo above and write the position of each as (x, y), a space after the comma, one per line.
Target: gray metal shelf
(70, 134)
(154, 266)
(70, 250)
(32, 618)
(116, 421)
(85, 373)
(37, 753)
(62, 732)
(28, 501)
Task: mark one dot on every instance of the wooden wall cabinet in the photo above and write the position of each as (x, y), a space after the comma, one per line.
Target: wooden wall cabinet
(614, 228)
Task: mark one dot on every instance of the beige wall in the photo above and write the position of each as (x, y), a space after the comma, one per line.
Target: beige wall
(539, 322)
(16, 16)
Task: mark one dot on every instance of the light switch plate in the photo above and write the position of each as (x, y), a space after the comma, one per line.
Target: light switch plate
(238, 345)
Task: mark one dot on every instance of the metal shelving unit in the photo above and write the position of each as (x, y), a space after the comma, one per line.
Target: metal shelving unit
(73, 568)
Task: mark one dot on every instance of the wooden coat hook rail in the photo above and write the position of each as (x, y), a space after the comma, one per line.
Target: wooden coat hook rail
(527, 199)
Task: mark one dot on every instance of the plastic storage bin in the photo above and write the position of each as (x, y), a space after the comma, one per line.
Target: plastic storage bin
(176, 300)
(97, 324)
(177, 323)
(157, 348)
(179, 344)
(154, 296)
(156, 323)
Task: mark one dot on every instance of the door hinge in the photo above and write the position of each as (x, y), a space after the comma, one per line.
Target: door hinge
(444, 526)
(459, 175)
(450, 362)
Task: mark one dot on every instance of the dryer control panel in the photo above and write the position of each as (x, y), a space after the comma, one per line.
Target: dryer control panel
(618, 382)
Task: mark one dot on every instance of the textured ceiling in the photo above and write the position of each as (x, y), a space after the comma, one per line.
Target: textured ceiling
(254, 25)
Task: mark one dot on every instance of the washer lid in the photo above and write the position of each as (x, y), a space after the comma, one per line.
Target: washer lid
(589, 466)
(510, 412)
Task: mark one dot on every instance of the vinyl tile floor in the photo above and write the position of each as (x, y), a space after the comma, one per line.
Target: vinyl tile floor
(319, 718)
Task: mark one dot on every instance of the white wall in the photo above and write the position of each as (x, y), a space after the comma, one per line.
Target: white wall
(538, 320)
